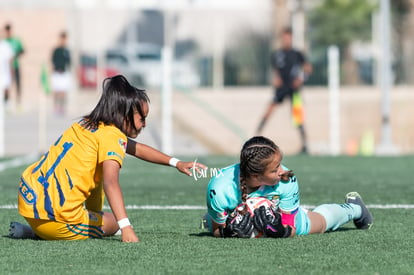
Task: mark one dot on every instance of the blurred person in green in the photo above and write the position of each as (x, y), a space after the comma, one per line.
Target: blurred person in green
(18, 50)
(61, 78)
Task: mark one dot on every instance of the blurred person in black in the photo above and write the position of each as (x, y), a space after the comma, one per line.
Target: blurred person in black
(290, 69)
(61, 78)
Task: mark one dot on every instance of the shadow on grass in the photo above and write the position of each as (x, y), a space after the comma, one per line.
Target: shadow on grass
(18, 239)
(343, 229)
(201, 234)
(208, 234)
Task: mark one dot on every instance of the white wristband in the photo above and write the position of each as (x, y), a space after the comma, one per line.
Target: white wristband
(173, 162)
(123, 223)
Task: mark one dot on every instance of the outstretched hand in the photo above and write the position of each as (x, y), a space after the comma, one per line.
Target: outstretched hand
(186, 167)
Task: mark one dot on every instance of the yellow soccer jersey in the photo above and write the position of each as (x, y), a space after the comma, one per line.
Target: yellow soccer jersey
(58, 185)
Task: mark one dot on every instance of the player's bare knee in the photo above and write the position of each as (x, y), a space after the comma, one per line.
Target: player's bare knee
(110, 226)
(318, 223)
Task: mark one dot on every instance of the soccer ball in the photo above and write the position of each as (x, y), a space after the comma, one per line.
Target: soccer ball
(251, 204)
(254, 203)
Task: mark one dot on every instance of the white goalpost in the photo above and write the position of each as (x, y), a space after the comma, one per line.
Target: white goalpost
(386, 146)
(334, 111)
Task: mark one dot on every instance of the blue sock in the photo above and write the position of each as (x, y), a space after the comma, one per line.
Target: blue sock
(338, 214)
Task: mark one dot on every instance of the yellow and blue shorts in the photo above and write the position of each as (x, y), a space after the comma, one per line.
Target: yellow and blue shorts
(91, 227)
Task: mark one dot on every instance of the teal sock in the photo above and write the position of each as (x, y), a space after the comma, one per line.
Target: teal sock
(338, 214)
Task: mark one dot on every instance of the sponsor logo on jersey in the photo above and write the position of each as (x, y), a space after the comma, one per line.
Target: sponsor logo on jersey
(93, 217)
(27, 192)
(114, 154)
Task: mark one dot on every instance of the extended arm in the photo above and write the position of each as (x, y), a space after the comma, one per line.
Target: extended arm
(150, 154)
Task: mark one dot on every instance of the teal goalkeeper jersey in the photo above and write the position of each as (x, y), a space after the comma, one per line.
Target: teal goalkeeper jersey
(224, 194)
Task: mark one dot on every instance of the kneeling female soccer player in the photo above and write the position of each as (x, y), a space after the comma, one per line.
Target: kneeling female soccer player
(61, 195)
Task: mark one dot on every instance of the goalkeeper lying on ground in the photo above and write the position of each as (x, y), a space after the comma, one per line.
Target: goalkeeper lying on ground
(260, 173)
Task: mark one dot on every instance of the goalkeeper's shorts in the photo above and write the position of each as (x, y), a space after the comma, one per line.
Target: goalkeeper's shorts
(302, 222)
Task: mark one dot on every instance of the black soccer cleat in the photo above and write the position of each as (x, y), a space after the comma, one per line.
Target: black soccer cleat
(366, 220)
(20, 231)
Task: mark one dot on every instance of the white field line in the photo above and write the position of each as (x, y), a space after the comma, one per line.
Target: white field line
(200, 207)
(32, 157)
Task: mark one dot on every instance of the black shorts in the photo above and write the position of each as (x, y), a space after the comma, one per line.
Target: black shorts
(281, 93)
(17, 78)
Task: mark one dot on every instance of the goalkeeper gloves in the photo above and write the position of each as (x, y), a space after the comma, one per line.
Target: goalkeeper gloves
(240, 226)
(270, 223)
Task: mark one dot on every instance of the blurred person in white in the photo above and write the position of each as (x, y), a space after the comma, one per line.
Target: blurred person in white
(61, 78)
(6, 59)
(18, 49)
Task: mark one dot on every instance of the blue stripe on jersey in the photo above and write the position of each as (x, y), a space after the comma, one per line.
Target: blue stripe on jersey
(61, 195)
(35, 212)
(57, 141)
(43, 180)
(69, 179)
(66, 147)
(48, 202)
(40, 163)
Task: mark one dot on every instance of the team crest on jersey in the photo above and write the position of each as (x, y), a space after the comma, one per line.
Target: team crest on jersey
(275, 200)
(123, 144)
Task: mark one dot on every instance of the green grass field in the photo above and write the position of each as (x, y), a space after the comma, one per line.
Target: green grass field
(172, 243)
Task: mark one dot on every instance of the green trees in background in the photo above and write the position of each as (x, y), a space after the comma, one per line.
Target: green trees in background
(340, 22)
(329, 22)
